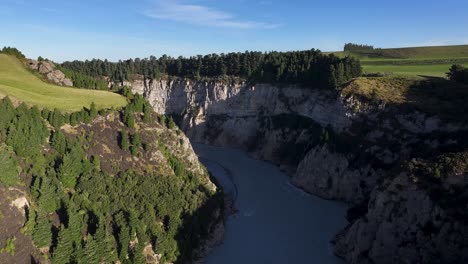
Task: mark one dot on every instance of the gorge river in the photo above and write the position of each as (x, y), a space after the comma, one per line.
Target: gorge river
(275, 222)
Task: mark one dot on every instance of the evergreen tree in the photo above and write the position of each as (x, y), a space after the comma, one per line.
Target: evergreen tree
(129, 118)
(147, 113)
(48, 199)
(71, 167)
(123, 235)
(136, 143)
(64, 251)
(42, 232)
(59, 142)
(56, 118)
(162, 120)
(124, 142)
(8, 112)
(170, 123)
(93, 111)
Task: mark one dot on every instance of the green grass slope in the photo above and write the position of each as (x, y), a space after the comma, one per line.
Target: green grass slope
(429, 61)
(23, 86)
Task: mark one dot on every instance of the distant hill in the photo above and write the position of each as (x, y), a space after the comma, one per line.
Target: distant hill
(21, 85)
(430, 61)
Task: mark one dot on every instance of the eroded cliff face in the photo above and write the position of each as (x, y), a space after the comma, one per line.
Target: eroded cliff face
(410, 220)
(335, 145)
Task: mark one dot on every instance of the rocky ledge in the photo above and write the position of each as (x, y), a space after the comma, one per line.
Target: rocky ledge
(49, 71)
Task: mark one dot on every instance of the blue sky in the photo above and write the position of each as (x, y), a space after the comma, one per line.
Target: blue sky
(85, 29)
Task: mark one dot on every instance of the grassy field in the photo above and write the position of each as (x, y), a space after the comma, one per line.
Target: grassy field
(436, 70)
(432, 95)
(23, 86)
(423, 61)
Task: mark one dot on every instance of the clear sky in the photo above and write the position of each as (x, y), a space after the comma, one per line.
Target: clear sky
(115, 29)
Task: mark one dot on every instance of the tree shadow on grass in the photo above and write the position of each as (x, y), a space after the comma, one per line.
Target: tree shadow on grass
(439, 96)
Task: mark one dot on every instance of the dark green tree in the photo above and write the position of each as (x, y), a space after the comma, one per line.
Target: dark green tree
(42, 232)
(71, 167)
(136, 143)
(59, 142)
(129, 118)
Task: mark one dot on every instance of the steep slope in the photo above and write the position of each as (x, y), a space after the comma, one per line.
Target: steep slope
(22, 86)
(336, 145)
(82, 195)
(417, 215)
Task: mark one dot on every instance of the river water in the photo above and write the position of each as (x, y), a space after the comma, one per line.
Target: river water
(276, 222)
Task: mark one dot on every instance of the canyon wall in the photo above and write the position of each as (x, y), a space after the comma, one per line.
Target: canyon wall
(336, 146)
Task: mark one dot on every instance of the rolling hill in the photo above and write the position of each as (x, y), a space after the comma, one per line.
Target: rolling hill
(23, 86)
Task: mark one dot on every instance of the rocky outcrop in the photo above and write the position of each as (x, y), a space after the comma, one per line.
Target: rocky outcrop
(330, 175)
(337, 146)
(49, 71)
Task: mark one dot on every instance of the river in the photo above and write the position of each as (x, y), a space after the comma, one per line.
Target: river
(276, 222)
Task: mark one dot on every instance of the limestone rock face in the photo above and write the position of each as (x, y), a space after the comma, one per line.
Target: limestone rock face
(329, 175)
(53, 75)
(239, 99)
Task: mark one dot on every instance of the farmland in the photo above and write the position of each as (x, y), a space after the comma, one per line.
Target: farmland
(417, 61)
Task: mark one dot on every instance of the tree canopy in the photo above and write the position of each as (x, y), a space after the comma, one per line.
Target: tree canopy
(310, 67)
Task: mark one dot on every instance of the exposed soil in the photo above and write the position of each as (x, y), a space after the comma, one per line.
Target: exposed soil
(12, 219)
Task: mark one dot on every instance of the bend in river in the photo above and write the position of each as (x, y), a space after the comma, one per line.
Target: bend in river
(276, 222)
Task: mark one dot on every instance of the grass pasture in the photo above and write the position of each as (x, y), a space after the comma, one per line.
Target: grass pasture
(433, 95)
(435, 70)
(23, 86)
(422, 61)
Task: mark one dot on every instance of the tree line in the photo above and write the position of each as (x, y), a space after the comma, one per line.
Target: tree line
(84, 81)
(458, 73)
(310, 67)
(352, 47)
(14, 52)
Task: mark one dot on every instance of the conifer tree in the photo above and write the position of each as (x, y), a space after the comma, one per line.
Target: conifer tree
(124, 142)
(93, 111)
(48, 199)
(71, 167)
(170, 123)
(129, 118)
(136, 143)
(59, 142)
(42, 232)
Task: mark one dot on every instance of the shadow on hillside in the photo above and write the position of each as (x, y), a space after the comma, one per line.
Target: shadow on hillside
(439, 96)
(198, 229)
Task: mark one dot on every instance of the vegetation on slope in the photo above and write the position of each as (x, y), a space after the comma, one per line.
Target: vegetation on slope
(22, 86)
(83, 209)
